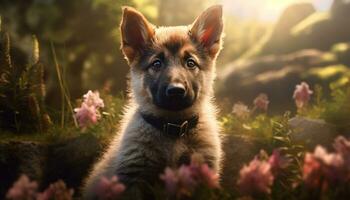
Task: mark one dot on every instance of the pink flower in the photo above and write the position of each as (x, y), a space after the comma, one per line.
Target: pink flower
(109, 188)
(302, 94)
(56, 190)
(171, 180)
(277, 161)
(312, 171)
(240, 110)
(323, 166)
(93, 99)
(89, 113)
(184, 180)
(342, 146)
(209, 177)
(329, 159)
(332, 164)
(180, 181)
(262, 101)
(202, 172)
(86, 115)
(256, 178)
(23, 188)
(185, 176)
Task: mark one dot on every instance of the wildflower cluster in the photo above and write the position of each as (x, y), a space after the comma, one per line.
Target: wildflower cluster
(302, 95)
(258, 176)
(184, 181)
(320, 174)
(89, 113)
(25, 189)
(242, 111)
(322, 169)
(109, 188)
(57, 190)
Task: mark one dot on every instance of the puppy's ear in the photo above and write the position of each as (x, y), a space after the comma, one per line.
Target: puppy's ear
(136, 32)
(207, 29)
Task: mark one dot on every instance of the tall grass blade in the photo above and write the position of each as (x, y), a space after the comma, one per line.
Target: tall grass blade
(64, 93)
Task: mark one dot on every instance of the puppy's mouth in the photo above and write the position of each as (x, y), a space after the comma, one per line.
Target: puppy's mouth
(174, 103)
(173, 97)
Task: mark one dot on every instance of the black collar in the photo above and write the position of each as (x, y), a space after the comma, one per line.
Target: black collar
(175, 128)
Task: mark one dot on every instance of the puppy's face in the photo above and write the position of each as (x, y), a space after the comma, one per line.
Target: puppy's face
(171, 67)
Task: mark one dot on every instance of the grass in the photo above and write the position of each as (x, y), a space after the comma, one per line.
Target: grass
(65, 99)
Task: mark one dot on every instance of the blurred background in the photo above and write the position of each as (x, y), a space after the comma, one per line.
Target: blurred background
(269, 46)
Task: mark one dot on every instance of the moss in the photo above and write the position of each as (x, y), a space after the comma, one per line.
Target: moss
(328, 71)
(340, 47)
(329, 57)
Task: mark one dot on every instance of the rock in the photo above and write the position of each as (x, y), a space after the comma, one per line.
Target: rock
(71, 160)
(18, 158)
(282, 32)
(277, 75)
(312, 132)
(340, 9)
(68, 160)
(300, 27)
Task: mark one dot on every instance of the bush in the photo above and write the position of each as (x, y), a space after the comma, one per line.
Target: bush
(22, 91)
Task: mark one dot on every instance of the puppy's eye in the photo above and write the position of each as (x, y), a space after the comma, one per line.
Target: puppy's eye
(156, 65)
(191, 64)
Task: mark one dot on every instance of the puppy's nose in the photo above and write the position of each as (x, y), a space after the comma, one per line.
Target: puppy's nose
(175, 90)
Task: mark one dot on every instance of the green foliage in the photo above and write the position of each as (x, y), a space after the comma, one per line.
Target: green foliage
(342, 53)
(335, 111)
(289, 183)
(259, 126)
(104, 130)
(65, 95)
(22, 91)
(85, 35)
(275, 129)
(281, 140)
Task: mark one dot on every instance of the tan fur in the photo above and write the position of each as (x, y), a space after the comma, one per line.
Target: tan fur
(141, 148)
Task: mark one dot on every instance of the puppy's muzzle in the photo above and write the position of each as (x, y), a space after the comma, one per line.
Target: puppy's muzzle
(176, 90)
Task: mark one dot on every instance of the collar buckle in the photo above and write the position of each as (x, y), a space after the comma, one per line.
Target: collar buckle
(176, 129)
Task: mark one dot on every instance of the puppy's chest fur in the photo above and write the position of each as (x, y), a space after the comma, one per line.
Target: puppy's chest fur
(145, 151)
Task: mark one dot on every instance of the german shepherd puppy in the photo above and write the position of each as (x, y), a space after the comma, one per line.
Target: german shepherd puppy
(171, 114)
